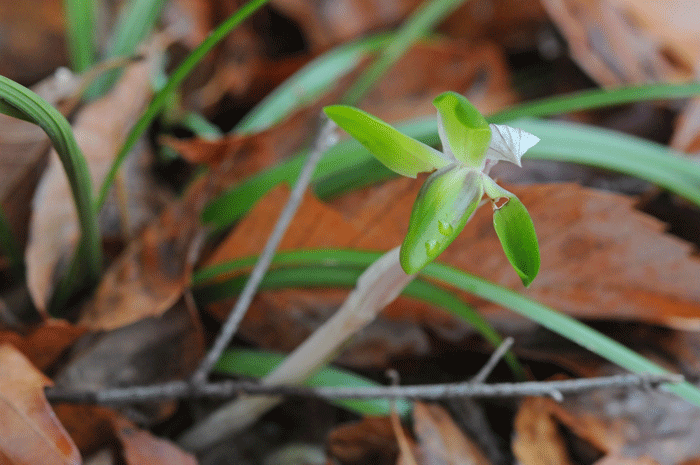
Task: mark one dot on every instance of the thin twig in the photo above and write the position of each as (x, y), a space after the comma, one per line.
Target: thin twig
(324, 139)
(493, 360)
(228, 389)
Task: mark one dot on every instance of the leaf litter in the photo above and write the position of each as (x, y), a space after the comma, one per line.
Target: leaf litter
(607, 262)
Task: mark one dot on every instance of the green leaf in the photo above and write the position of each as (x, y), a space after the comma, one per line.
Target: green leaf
(17, 100)
(257, 364)
(397, 151)
(515, 231)
(463, 129)
(161, 98)
(557, 322)
(444, 204)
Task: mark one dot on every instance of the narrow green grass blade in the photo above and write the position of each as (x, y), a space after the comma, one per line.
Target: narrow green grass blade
(57, 128)
(9, 247)
(337, 276)
(554, 321)
(80, 31)
(597, 98)
(348, 164)
(308, 83)
(173, 82)
(257, 364)
(136, 20)
(428, 15)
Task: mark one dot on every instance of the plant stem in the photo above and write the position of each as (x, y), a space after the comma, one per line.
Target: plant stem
(378, 286)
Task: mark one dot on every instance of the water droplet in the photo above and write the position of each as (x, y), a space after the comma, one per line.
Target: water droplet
(431, 247)
(445, 228)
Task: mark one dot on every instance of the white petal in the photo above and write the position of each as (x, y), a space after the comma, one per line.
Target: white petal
(509, 144)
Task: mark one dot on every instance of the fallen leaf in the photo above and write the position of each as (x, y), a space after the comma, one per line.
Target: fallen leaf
(614, 459)
(148, 351)
(151, 274)
(440, 439)
(139, 447)
(46, 343)
(33, 44)
(630, 41)
(515, 28)
(632, 422)
(99, 131)
(23, 150)
(370, 440)
(88, 425)
(428, 69)
(536, 439)
(601, 259)
(29, 430)
(327, 25)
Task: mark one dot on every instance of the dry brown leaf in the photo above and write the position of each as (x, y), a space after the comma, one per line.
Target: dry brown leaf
(29, 430)
(151, 274)
(478, 70)
(23, 148)
(149, 351)
(370, 440)
(46, 343)
(100, 129)
(601, 259)
(497, 20)
(33, 39)
(614, 459)
(441, 441)
(88, 425)
(327, 24)
(139, 447)
(537, 440)
(630, 41)
(631, 423)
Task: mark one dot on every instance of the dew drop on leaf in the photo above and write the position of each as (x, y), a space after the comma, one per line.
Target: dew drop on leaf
(431, 247)
(445, 228)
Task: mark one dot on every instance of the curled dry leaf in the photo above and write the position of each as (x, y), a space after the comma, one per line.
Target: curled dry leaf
(33, 44)
(441, 440)
(370, 440)
(537, 439)
(46, 343)
(601, 259)
(100, 129)
(23, 147)
(630, 41)
(29, 429)
(636, 424)
(139, 447)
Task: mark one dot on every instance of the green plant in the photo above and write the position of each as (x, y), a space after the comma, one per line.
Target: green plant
(20, 102)
(450, 195)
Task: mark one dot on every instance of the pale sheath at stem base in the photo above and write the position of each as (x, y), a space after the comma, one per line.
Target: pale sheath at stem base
(377, 287)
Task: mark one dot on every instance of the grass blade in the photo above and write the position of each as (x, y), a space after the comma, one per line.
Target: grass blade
(176, 78)
(80, 31)
(136, 20)
(597, 98)
(257, 364)
(57, 128)
(349, 165)
(556, 322)
(308, 83)
(428, 15)
(339, 276)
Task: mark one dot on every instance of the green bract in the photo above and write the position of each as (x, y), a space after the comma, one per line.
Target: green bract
(470, 148)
